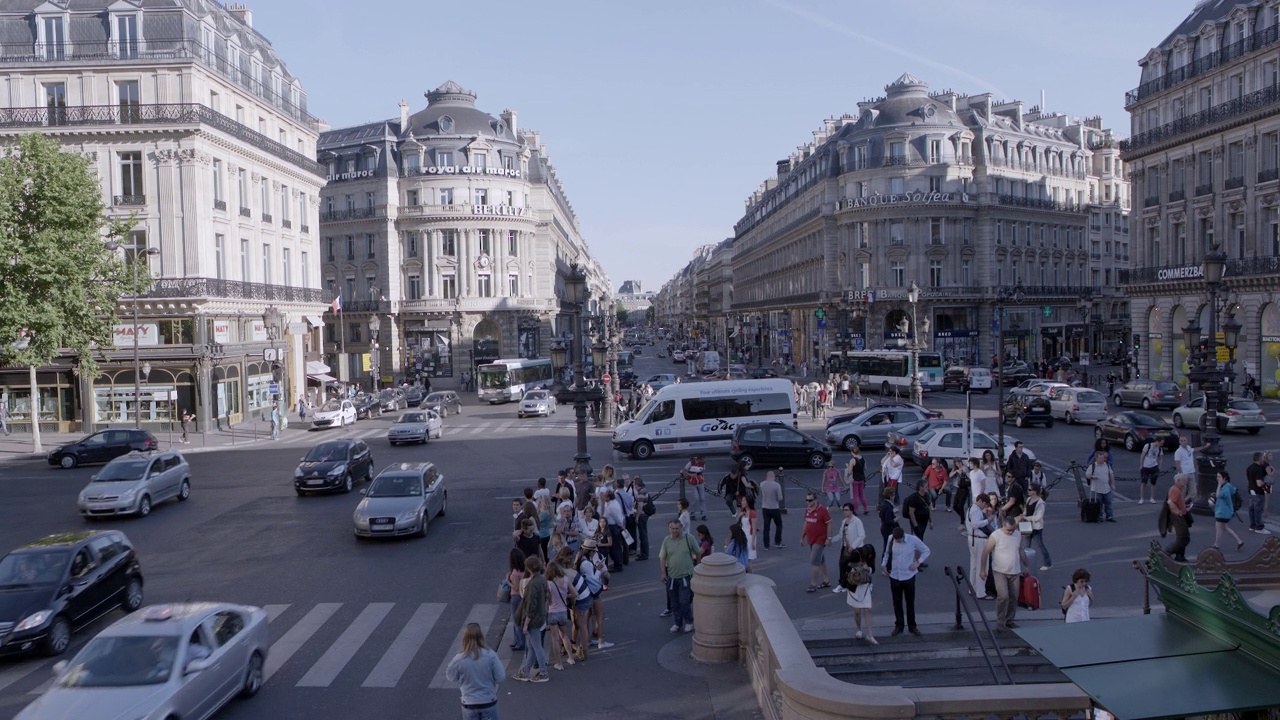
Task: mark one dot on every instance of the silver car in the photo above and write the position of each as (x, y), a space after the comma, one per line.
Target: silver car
(537, 402)
(443, 401)
(416, 426)
(1077, 404)
(872, 427)
(132, 484)
(402, 500)
(1239, 415)
(184, 660)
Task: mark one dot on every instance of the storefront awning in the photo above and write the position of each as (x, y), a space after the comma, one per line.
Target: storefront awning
(315, 367)
(315, 321)
(322, 378)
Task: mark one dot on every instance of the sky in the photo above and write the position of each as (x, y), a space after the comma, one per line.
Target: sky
(662, 116)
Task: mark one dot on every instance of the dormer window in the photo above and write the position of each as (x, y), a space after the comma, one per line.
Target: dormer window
(51, 40)
(125, 35)
(480, 160)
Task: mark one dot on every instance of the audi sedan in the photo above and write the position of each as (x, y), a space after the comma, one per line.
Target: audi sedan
(184, 660)
(537, 402)
(1239, 415)
(1134, 429)
(416, 426)
(402, 500)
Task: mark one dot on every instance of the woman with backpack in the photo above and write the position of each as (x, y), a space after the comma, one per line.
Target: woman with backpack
(1226, 503)
(857, 584)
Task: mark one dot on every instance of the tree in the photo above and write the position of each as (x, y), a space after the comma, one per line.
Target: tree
(621, 314)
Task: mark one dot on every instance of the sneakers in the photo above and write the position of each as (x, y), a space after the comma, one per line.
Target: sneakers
(539, 677)
(675, 628)
(837, 589)
(781, 545)
(1261, 531)
(604, 646)
(519, 675)
(1141, 501)
(1045, 567)
(665, 613)
(688, 627)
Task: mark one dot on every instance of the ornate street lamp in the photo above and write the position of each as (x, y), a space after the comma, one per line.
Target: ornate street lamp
(1003, 297)
(575, 295)
(139, 253)
(1211, 376)
(375, 359)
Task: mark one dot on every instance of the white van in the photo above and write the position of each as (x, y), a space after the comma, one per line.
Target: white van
(709, 362)
(700, 417)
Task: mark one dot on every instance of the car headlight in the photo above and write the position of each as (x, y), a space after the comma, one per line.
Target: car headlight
(297, 473)
(34, 620)
(128, 495)
(407, 516)
(338, 470)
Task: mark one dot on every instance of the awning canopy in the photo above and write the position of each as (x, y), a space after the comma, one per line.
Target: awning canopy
(1156, 666)
(315, 367)
(323, 378)
(315, 321)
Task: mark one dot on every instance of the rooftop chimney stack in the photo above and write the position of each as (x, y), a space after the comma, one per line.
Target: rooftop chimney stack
(509, 117)
(404, 116)
(241, 12)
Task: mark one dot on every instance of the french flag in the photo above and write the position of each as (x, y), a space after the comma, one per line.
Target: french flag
(336, 305)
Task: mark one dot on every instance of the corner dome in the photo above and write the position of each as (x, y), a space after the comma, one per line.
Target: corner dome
(907, 102)
(451, 93)
(451, 110)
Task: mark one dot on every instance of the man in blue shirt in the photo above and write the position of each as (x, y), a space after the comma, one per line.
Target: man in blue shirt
(902, 560)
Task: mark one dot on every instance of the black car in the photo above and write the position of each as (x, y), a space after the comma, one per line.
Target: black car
(1134, 429)
(57, 585)
(762, 373)
(776, 444)
(1024, 410)
(366, 406)
(413, 396)
(626, 380)
(103, 446)
(333, 466)
(1014, 371)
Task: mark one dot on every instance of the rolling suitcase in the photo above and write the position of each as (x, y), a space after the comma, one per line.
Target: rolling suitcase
(1029, 593)
(1090, 509)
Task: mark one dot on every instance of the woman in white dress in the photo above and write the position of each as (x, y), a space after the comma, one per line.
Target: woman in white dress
(859, 596)
(1077, 597)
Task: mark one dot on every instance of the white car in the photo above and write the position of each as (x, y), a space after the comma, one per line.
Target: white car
(334, 413)
(677, 356)
(948, 444)
(416, 426)
(1036, 387)
(1075, 404)
(537, 402)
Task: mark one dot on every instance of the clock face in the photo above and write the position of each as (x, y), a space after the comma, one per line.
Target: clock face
(484, 261)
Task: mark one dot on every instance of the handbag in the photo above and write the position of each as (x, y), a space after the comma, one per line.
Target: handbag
(626, 536)
(504, 591)
(1024, 527)
(648, 508)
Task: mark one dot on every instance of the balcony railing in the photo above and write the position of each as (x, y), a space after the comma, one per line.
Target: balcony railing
(1043, 168)
(1055, 290)
(306, 229)
(286, 224)
(1037, 203)
(1268, 175)
(1177, 195)
(1151, 202)
(128, 199)
(230, 289)
(1234, 182)
(1239, 267)
(220, 205)
(354, 214)
(1199, 66)
(1231, 109)
(362, 306)
(266, 217)
(246, 212)
(1206, 189)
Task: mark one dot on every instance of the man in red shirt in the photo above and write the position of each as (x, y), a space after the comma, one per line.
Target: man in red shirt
(1178, 518)
(816, 536)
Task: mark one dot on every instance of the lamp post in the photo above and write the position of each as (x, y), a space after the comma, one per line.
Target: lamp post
(914, 332)
(375, 357)
(271, 321)
(137, 365)
(1211, 377)
(575, 294)
(1003, 297)
(600, 359)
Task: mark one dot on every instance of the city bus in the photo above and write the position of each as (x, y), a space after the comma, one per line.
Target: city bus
(886, 371)
(507, 380)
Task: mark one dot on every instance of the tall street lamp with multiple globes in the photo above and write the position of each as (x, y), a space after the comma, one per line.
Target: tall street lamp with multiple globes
(1003, 297)
(912, 335)
(575, 295)
(139, 254)
(375, 353)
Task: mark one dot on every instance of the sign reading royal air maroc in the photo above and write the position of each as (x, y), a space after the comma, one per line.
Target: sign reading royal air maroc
(469, 170)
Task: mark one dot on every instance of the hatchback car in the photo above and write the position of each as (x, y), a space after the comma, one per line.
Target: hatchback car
(402, 500)
(890, 405)
(132, 484)
(872, 427)
(184, 660)
(334, 413)
(443, 402)
(392, 399)
(1239, 415)
(1148, 394)
(1036, 387)
(948, 444)
(774, 445)
(57, 585)
(677, 356)
(1134, 429)
(333, 466)
(904, 439)
(965, 379)
(416, 426)
(366, 406)
(102, 446)
(1077, 404)
(537, 402)
(413, 396)
(1024, 410)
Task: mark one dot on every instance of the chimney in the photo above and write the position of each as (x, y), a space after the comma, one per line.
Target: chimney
(784, 167)
(509, 117)
(241, 12)
(404, 116)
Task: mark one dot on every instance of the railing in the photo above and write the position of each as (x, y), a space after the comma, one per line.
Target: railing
(266, 217)
(1243, 105)
(246, 212)
(1043, 168)
(1058, 290)
(189, 113)
(353, 214)
(1206, 189)
(1095, 227)
(966, 607)
(1151, 202)
(128, 199)
(220, 205)
(287, 224)
(1199, 66)
(1095, 256)
(1239, 267)
(306, 229)
(1177, 195)
(1037, 203)
(235, 289)
(1268, 175)
(1234, 182)
(362, 306)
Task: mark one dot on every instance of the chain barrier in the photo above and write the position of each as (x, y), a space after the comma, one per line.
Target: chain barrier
(655, 495)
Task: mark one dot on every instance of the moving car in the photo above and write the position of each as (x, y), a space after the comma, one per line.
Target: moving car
(442, 401)
(1036, 387)
(55, 586)
(872, 427)
(333, 466)
(401, 501)
(764, 372)
(334, 413)
(1134, 429)
(659, 381)
(132, 484)
(948, 444)
(967, 379)
(774, 444)
(537, 402)
(392, 399)
(413, 396)
(701, 417)
(184, 660)
(366, 405)
(846, 417)
(1239, 415)
(102, 446)
(416, 426)
(1015, 371)
(1148, 393)
(677, 356)
(1077, 404)
(904, 438)
(1026, 410)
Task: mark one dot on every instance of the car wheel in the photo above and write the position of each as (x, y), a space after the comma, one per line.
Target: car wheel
(66, 462)
(519, 416)
(746, 462)
(252, 676)
(393, 443)
(1018, 421)
(347, 483)
(1048, 423)
(884, 389)
(642, 450)
(184, 490)
(1254, 431)
(422, 524)
(1070, 419)
(1130, 443)
(144, 506)
(1146, 403)
(299, 491)
(457, 410)
(1117, 401)
(1178, 422)
(133, 595)
(850, 442)
(817, 460)
(59, 637)
(444, 504)
(986, 391)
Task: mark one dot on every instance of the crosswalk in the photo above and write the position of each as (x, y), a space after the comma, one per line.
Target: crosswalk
(377, 645)
(455, 427)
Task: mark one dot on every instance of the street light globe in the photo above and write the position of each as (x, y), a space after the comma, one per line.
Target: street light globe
(913, 293)
(146, 370)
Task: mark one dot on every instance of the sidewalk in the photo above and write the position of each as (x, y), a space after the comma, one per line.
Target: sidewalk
(18, 445)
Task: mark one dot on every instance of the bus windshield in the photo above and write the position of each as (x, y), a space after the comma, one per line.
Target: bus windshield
(494, 378)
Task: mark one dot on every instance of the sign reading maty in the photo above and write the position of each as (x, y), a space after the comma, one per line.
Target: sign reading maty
(146, 334)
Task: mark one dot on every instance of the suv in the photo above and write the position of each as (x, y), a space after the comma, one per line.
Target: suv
(1026, 410)
(103, 446)
(333, 465)
(775, 444)
(133, 483)
(1148, 393)
(61, 583)
(872, 427)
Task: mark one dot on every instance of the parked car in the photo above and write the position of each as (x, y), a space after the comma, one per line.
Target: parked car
(102, 446)
(966, 379)
(1239, 415)
(904, 438)
(392, 399)
(1148, 394)
(890, 405)
(416, 426)
(1024, 410)
(334, 413)
(333, 465)
(402, 500)
(132, 484)
(1134, 429)
(659, 381)
(166, 661)
(1077, 404)
(872, 427)
(366, 405)
(57, 585)
(443, 401)
(775, 445)
(1036, 387)
(413, 396)
(537, 402)
(948, 444)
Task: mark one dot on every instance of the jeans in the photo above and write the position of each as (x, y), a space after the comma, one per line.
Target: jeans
(680, 598)
(1006, 597)
(1107, 512)
(772, 516)
(642, 535)
(517, 633)
(1037, 540)
(903, 591)
(489, 713)
(697, 500)
(1256, 503)
(918, 530)
(534, 655)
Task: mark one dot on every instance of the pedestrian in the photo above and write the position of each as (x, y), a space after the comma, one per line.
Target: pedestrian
(771, 507)
(916, 509)
(1077, 597)
(676, 559)
(706, 544)
(1224, 509)
(590, 566)
(697, 484)
(515, 576)
(960, 478)
(613, 514)
(746, 518)
(186, 419)
(532, 617)
(275, 422)
(1004, 550)
(527, 539)
(737, 546)
(560, 597)
(858, 594)
(1256, 477)
(570, 528)
(1019, 463)
(302, 409)
(935, 477)
(1149, 469)
(816, 536)
(888, 515)
(852, 537)
(856, 472)
(478, 671)
(546, 523)
(901, 563)
(1037, 475)
(730, 487)
(991, 469)
(1102, 481)
(891, 471)
(980, 526)
(1178, 518)
(1034, 514)
(1184, 463)
(977, 479)
(683, 515)
(4, 415)
(626, 496)
(641, 518)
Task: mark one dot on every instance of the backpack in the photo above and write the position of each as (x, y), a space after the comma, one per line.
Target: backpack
(858, 575)
(1236, 500)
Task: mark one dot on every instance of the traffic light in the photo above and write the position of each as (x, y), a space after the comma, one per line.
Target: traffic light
(1137, 342)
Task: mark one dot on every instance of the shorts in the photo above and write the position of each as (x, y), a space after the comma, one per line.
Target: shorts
(817, 555)
(1149, 475)
(583, 604)
(558, 618)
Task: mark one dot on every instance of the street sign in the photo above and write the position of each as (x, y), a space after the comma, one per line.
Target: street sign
(858, 343)
(273, 389)
(822, 324)
(606, 378)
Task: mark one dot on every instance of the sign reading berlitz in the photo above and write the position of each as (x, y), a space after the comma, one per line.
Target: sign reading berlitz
(497, 210)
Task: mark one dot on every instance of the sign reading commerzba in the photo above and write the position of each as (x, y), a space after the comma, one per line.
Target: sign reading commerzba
(1190, 272)
(926, 198)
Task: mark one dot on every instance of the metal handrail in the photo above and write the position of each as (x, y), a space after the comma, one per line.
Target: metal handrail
(965, 596)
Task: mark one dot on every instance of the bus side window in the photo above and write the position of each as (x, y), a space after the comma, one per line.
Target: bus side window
(665, 410)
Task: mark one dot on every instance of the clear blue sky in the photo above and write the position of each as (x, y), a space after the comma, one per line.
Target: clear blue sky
(662, 116)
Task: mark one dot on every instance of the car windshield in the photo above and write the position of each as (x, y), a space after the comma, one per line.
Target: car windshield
(414, 418)
(386, 395)
(122, 662)
(395, 486)
(327, 452)
(33, 568)
(535, 395)
(1167, 387)
(1145, 421)
(331, 406)
(123, 470)
(436, 398)
(1091, 397)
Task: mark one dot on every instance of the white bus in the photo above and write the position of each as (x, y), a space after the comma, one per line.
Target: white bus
(507, 380)
(885, 371)
(700, 416)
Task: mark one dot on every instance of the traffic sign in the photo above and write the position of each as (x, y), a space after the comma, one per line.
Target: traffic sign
(822, 324)
(273, 389)
(606, 378)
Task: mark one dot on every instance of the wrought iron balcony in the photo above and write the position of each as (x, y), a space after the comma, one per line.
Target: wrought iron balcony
(1037, 203)
(1268, 175)
(1151, 202)
(1251, 102)
(1206, 189)
(230, 289)
(306, 229)
(1177, 195)
(128, 199)
(287, 224)
(266, 217)
(1234, 182)
(220, 205)
(246, 212)
(1260, 39)
(355, 306)
(1056, 290)
(354, 214)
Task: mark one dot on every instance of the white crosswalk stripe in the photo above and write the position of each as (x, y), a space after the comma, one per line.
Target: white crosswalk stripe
(406, 645)
(289, 643)
(346, 646)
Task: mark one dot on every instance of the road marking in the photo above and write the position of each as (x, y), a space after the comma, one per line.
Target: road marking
(289, 643)
(345, 647)
(406, 645)
(39, 690)
(274, 611)
(481, 614)
(11, 675)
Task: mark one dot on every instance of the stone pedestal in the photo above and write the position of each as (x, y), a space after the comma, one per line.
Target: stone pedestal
(715, 608)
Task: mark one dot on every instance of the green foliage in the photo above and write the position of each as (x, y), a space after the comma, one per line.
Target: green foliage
(59, 284)
(621, 314)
